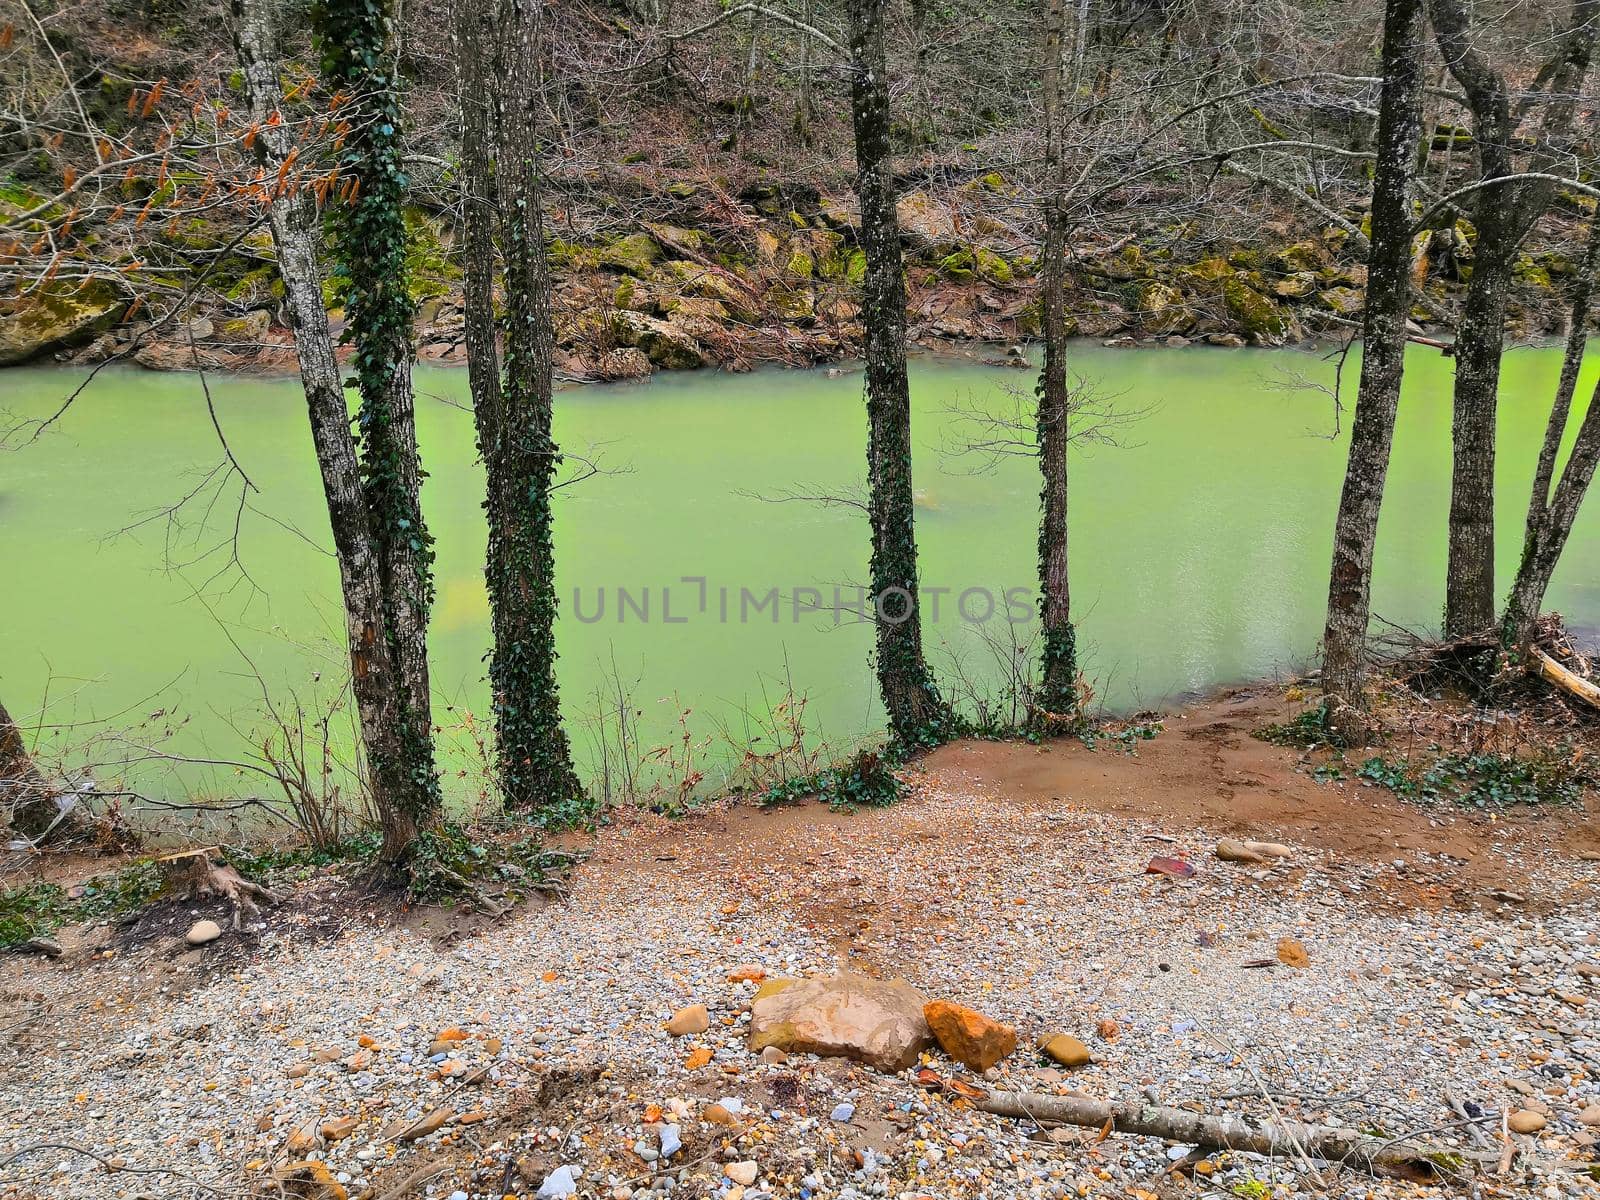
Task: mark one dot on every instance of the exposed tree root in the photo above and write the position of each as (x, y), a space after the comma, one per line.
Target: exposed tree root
(192, 875)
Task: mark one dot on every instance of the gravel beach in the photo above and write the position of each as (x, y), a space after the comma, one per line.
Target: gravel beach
(530, 1058)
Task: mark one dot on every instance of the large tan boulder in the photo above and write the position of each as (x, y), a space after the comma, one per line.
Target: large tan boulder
(873, 1021)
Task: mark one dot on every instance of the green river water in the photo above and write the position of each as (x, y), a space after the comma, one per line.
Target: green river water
(1200, 545)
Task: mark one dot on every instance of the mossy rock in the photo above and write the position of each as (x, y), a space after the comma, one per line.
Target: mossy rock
(1295, 287)
(1256, 316)
(960, 266)
(675, 235)
(635, 254)
(991, 266)
(692, 279)
(828, 252)
(856, 267)
(57, 316)
(1531, 273)
(800, 264)
(1209, 270)
(682, 190)
(665, 343)
(1302, 256)
(797, 303)
(1163, 309)
(994, 181)
(1346, 301)
(1247, 260)
(429, 271)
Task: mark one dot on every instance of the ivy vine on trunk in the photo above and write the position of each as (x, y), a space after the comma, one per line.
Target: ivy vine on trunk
(498, 51)
(916, 711)
(370, 239)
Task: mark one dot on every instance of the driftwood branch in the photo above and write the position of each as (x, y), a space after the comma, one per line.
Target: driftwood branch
(1349, 1147)
(1571, 682)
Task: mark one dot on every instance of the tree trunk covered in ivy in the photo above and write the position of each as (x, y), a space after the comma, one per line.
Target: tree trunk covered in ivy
(370, 233)
(1503, 214)
(1058, 676)
(403, 790)
(1550, 515)
(519, 451)
(916, 712)
(1383, 334)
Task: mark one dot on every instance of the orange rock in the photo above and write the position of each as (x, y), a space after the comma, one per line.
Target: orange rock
(472, 1118)
(747, 973)
(968, 1036)
(1292, 953)
(698, 1058)
(1108, 1029)
(718, 1115)
(338, 1128)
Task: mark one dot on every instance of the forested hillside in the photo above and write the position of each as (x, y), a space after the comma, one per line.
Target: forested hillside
(701, 206)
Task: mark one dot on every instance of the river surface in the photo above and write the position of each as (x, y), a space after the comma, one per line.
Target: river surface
(1200, 548)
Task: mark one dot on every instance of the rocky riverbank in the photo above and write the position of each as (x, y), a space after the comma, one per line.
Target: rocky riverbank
(770, 275)
(1414, 970)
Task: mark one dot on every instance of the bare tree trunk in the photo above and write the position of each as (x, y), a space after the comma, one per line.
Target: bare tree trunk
(1382, 369)
(1058, 690)
(1550, 517)
(1503, 216)
(916, 712)
(805, 114)
(27, 799)
(402, 798)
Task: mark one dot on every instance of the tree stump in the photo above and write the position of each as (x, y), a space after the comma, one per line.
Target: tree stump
(192, 875)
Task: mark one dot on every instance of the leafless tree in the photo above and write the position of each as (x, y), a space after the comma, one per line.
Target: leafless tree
(1382, 369)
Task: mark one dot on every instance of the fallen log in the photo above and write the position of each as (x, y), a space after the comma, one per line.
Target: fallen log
(1349, 1147)
(1571, 682)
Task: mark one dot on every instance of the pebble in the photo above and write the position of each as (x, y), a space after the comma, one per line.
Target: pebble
(202, 932)
(689, 1021)
(558, 1184)
(842, 1113)
(742, 1172)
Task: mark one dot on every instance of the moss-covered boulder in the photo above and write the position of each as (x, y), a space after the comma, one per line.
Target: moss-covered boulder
(1163, 309)
(799, 264)
(925, 219)
(58, 316)
(1345, 301)
(1295, 287)
(959, 265)
(634, 254)
(991, 266)
(693, 279)
(664, 342)
(1257, 317)
(828, 253)
(1208, 270)
(1302, 256)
